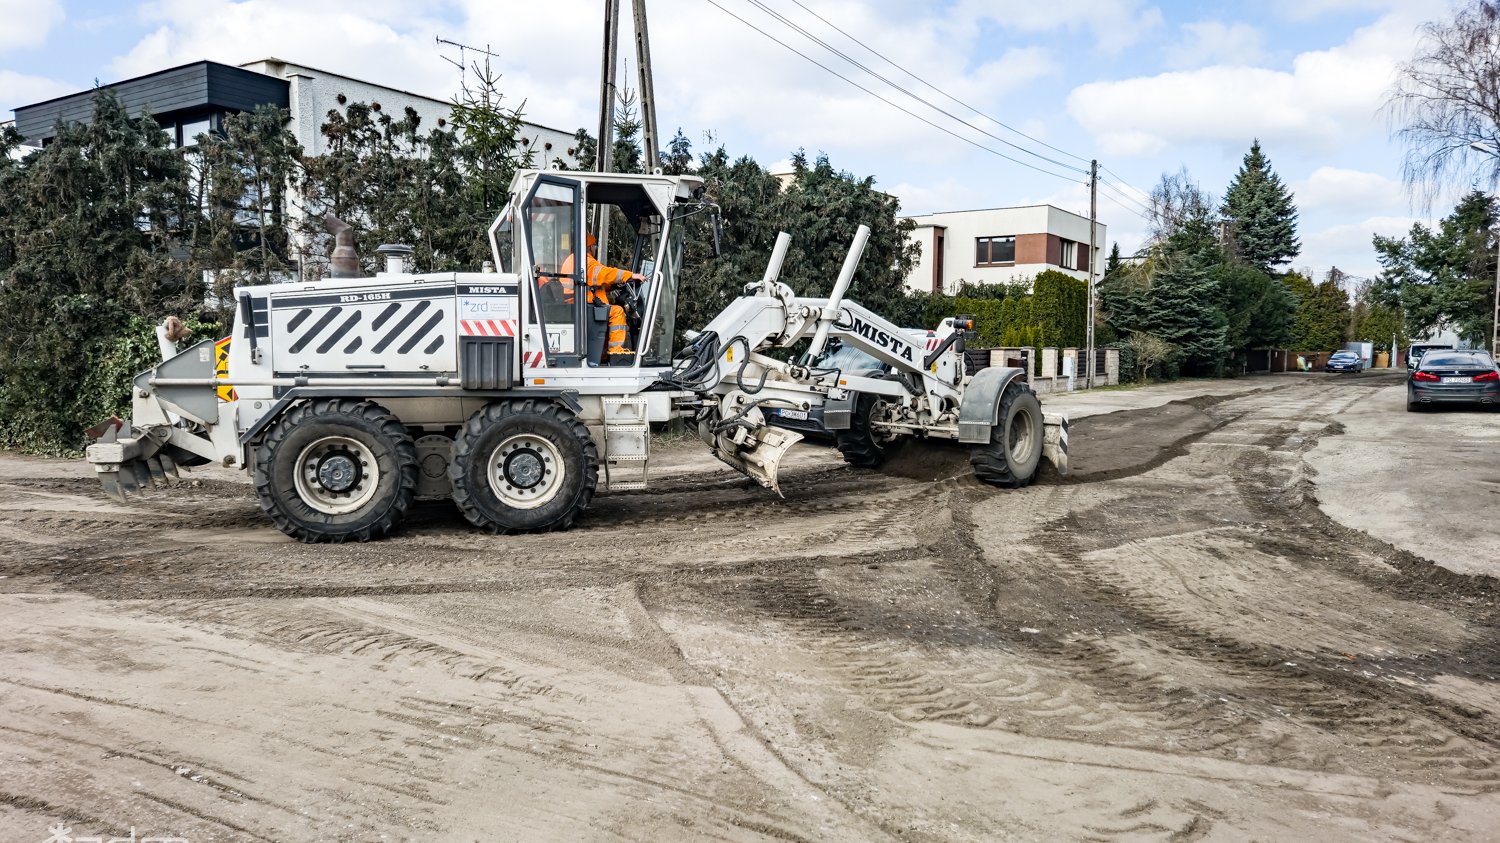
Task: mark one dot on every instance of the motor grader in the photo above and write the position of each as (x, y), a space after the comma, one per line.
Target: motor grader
(347, 399)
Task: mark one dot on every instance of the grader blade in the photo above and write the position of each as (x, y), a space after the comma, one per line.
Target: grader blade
(759, 459)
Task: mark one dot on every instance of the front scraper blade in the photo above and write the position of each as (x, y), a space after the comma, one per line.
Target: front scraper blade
(761, 459)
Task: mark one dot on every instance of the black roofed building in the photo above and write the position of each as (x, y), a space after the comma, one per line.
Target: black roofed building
(187, 101)
(194, 98)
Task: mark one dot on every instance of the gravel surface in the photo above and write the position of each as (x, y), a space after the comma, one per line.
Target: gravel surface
(1174, 643)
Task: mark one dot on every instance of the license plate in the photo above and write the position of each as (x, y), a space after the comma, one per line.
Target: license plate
(800, 415)
(1458, 380)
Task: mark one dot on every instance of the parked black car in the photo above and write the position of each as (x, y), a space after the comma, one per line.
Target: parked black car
(810, 422)
(1462, 377)
(1345, 361)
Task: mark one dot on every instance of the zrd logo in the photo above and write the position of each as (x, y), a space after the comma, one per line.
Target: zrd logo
(895, 345)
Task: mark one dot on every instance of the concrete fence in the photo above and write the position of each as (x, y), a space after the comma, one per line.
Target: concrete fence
(1059, 370)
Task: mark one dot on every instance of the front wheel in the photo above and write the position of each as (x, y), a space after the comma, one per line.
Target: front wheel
(1014, 452)
(862, 444)
(335, 471)
(523, 466)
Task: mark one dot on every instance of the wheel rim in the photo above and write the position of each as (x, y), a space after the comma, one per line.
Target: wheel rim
(879, 433)
(1019, 436)
(337, 475)
(525, 471)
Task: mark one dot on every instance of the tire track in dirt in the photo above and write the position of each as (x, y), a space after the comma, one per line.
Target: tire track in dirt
(1263, 676)
(313, 628)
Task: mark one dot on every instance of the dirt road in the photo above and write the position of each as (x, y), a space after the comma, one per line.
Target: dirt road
(1176, 643)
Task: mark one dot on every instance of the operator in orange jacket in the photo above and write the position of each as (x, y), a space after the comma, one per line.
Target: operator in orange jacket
(600, 280)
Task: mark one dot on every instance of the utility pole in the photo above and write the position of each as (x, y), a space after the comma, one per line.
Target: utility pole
(1495, 331)
(648, 93)
(605, 153)
(1093, 261)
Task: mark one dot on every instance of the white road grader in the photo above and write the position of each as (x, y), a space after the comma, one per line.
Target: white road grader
(349, 398)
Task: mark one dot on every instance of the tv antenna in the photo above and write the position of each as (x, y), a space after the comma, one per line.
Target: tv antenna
(463, 63)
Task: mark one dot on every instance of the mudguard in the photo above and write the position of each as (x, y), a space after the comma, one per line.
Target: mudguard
(979, 412)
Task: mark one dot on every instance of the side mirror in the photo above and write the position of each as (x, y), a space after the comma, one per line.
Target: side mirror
(718, 234)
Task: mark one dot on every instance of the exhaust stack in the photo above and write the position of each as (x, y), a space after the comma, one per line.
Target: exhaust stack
(344, 262)
(396, 257)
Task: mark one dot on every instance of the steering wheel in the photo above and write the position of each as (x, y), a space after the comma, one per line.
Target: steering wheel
(628, 296)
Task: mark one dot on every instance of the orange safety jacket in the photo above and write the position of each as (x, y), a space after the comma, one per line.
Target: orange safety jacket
(599, 278)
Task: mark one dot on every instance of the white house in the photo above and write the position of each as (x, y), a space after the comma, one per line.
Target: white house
(313, 92)
(1001, 245)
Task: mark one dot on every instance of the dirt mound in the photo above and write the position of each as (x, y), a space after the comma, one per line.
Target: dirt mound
(1129, 442)
(1101, 447)
(929, 461)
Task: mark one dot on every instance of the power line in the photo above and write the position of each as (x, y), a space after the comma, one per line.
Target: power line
(830, 48)
(872, 51)
(1123, 181)
(1142, 214)
(1130, 191)
(896, 106)
(1140, 207)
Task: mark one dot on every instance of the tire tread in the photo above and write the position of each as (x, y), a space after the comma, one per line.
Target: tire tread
(404, 453)
(464, 451)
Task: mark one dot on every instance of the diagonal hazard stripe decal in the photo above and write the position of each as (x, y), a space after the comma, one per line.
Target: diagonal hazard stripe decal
(487, 327)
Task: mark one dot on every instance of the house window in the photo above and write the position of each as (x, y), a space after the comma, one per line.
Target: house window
(991, 251)
(192, 129)
(1069, 255)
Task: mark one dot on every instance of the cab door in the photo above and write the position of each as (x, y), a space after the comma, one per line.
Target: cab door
(552, 223)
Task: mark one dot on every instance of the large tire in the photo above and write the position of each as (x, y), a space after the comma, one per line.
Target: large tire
(1011, 458)
(859, 443)
(336, 470)
(523, 467)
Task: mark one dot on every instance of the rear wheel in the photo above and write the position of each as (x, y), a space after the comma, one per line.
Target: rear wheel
(335, 471)
(523, 466)
(861, 444)
(1011, 458)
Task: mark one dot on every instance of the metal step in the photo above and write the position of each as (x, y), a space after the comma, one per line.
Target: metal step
(626, 449)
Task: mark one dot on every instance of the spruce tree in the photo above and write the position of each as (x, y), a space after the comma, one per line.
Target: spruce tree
(1262, 217)
(1444, 277)
(1183, 304)
(1113, 262)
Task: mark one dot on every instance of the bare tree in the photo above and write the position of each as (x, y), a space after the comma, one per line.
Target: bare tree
(1448, 97)
(1174, 200)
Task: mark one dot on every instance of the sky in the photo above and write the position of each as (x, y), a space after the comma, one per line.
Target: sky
(1145, 87)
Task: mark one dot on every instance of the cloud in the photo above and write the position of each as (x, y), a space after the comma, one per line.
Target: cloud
(378, 40)
(1305, 10)
(1214, 42)
(1348, 245)
(18, 89)
(950, 194)
(756, 93)
(1115, 24)
(27, 22)
(1336, 189)
(1326, 97)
